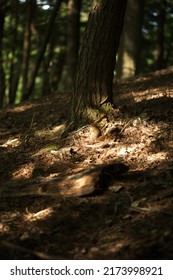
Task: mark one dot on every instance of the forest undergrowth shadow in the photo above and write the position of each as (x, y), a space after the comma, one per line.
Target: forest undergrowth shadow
(96, 229)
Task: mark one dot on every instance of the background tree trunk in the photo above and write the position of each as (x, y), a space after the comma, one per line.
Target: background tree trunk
(47, 64)
(14, 72)
(129, 50)
(31, 82)
(2, 75)
(160, 35)
(26, 46)
(58, 69)
(73, 32)
(97, 57)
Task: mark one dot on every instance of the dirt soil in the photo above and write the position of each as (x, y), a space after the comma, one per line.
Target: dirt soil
(131, 218)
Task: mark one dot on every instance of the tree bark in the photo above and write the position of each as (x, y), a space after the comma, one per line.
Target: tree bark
(15, 68)
(58, 69)
(26, 46)
(47, 64)
(97, 57)
(73, 31)
(2, 74)
(129, 50)
(31, 82)
(160, 36)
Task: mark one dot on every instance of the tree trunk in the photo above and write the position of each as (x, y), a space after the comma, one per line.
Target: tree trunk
(26, 46)
(47, 64)
(58, 69)
(2, 75)
(31, 82)
(160, 35)
(14, 67)
(73, 31)
(129, 50)
(97, 57)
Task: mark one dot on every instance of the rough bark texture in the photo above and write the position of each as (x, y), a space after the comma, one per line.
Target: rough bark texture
(94, 77)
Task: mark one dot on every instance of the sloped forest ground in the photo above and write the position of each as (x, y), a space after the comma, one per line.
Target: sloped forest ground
(129, 215)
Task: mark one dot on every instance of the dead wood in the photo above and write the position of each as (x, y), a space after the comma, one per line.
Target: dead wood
(86, 182)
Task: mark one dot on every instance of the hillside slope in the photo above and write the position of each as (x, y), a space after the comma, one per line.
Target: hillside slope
(127, 214)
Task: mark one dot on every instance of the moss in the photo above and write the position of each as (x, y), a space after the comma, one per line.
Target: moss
(51, 147)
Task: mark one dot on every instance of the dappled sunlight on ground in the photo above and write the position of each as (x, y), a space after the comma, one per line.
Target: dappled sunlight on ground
(132, 215)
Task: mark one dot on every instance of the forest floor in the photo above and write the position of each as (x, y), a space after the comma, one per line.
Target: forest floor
(130, 218)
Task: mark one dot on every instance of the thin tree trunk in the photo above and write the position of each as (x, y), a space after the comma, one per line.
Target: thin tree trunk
(26, 47)
(73, 31)
(2, 74)
(31, 82)
(160, 36)
(58, 69)
(14, 73)
(47, 64)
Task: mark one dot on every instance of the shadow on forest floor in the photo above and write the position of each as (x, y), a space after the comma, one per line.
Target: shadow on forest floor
(132, 218)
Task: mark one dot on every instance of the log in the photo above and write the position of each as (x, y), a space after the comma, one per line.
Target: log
(90, 181)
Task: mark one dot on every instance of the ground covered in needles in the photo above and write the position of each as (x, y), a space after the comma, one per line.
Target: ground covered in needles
(79, 198)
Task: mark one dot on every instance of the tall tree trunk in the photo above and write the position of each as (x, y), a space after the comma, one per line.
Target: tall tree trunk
(2, 75)
(26, 46)
(73, 31)
(31, 82)
(47, 64)
(160, 35)
(58, 69)
(129, 50)
(14, 68)
(97, 57)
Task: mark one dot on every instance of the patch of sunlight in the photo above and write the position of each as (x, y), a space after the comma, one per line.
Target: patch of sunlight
(39, 215)
(4, 228)
(23, 172)
(6, 219)
(46, 7)
(11, 143)
(21, 108)
(123, 150)
(84, 17)
(157, 157)
(56, 131)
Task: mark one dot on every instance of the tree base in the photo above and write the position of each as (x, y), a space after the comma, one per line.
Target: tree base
(88, 116)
